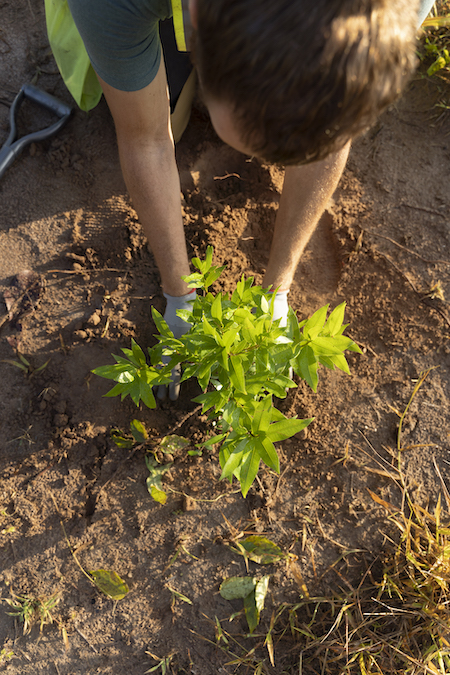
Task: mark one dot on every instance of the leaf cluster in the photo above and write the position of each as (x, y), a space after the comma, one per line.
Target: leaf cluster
(241, 358)
(30, 610)
(253, 592)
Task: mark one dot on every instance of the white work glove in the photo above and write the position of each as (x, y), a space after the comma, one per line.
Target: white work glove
(178, 328)
(280, 311)
(281, 308)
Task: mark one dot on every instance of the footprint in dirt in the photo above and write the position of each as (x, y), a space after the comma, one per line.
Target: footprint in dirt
(318, 273)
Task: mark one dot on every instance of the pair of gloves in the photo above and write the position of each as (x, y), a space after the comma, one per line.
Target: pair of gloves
(180, 327)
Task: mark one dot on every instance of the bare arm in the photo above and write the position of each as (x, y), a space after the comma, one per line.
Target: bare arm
(306, 192)
(148, 164)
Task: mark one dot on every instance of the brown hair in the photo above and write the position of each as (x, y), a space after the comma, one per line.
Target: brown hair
(303, 77)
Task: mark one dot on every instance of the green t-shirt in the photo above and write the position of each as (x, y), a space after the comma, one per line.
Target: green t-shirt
(122, 38)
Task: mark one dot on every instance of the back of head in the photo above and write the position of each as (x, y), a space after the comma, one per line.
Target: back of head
(304, 76)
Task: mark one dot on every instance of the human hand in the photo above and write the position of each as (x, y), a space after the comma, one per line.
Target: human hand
(178, 328)
(280, 311)
(281, 308)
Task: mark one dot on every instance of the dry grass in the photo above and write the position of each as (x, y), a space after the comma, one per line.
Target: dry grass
(396, 621)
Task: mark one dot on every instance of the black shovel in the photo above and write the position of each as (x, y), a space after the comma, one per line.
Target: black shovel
(12, 148)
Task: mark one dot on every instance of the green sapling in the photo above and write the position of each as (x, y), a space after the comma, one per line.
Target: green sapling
(241, 359)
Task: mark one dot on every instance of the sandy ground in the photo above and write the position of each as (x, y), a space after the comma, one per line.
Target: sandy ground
(383, 246)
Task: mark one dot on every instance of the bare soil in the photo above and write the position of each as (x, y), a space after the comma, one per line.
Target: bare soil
(382, 246)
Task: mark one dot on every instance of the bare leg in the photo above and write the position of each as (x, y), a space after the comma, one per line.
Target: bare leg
(150, 172)
(306, 192)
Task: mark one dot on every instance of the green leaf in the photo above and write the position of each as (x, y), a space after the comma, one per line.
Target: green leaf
(161, 324)
(117, 390)
(279, 431)
(209, 399)
(235, 458)
(228, 337)
(435, 67)
(216, 308)
(336, 319)
(213, 440)
(213, 275)
(249, 467)
(328, 346)
(114, 371)
(306, 366)
(109, 583)
(146, 393)
(138, 431)
(20, 365)
(138, 354)
(154, 481)
(179, 595)
(237, 587)
(208, 258)
(314, 325)
(251, 611)
(194, 280)
(262, 417)
(158, 495)
(121, 441)
(223, 359)
(237, 374)
(172, 443)
(267, 452)
(261, 589)
(261, 550)
(340, 362)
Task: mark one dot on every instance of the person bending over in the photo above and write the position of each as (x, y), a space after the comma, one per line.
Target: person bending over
(289, 81)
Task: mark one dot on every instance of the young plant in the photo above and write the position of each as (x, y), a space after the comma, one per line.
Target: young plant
(29, 610)
(241, 358)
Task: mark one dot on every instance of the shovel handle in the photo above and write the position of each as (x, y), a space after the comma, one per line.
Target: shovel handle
(11, 150)
(46, 100)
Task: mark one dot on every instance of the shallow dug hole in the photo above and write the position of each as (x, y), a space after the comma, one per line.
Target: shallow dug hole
(382, 246)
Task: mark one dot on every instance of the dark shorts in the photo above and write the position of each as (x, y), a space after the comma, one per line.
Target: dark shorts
(123, 39)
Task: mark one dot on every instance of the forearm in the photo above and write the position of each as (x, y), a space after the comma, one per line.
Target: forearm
(306, 192)
(151, 176)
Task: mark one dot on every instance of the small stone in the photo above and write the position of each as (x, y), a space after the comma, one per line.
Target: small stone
(80, 334)
(188, 503)
(94, 319)
(60, 420)
(77, 267)
(77, 258)
(49, 394)
(61, 406)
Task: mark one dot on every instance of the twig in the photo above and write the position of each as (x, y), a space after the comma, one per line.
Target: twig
(10, 312)
(85, 638)
(427, 260)
(383, 255)
(180, 423)
(209, 501)
(87, 271)
(444, 487)
(422, 208)
(422, 377)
